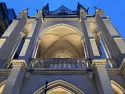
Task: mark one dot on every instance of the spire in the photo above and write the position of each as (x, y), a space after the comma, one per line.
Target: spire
(87, 10)
(26, 10)
(79, 6)
(23, 12)
(47, 6)
(45, 9)
(98, 11)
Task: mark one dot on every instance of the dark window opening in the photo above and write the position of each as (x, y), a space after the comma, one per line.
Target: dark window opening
(102, 49)
(19, 49)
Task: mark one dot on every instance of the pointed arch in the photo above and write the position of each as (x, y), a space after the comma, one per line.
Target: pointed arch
(77, 31)
(2, 84)
(60, 84)
(117, 87)
(60, 36)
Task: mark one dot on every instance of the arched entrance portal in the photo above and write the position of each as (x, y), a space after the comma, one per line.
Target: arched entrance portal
(60, 41)
(118, 89)
(59, 90)
(59, 87)
(2, 85)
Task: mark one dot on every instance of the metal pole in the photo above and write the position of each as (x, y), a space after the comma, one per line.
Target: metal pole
(45, 90)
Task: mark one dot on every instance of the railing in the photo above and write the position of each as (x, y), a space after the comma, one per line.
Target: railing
(59, 63)
(110, 63)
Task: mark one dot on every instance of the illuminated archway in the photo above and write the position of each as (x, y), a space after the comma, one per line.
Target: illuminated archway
(27, 28)
(59, 90)
(2, 84)
(60, 40)
(118, 89)
(57, 85)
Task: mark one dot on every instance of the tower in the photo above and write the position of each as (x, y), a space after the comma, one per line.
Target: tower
(62, 52)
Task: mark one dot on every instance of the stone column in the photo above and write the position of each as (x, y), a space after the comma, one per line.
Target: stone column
(85, 40)
(110, 36)
(101, 77)
(31, 39)
(85, 48)
(89, 41)
(11, 38)
(15, 78)
(34, 54)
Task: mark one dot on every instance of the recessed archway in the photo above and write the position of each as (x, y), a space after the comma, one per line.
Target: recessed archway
(118, 89)
(2, 85)
(60, 41)
(64, 86)
(59, 90)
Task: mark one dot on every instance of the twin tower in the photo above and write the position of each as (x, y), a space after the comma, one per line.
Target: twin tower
(62, 52)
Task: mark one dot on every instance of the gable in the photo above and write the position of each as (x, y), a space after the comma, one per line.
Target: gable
(62, 10)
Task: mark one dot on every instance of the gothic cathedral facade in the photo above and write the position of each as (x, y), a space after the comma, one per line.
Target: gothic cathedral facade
(62, 52)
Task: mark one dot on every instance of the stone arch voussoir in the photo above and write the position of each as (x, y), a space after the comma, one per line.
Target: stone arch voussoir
(60, 83)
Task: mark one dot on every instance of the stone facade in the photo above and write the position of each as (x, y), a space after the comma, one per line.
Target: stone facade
(6, 17)
(62, 52)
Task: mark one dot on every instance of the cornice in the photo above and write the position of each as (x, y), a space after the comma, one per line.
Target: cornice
(39, 71)
(5, 72)
(21, 63)
(113, 71)
(98, 62)
(60, 19)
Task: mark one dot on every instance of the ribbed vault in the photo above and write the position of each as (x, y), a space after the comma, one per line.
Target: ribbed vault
(61, 41)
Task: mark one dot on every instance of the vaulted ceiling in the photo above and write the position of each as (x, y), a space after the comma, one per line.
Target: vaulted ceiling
(61, 42)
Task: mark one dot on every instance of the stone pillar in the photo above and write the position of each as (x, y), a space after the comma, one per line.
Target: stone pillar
(15, 78)
(120, 44)
(11, 38)
(85, 39)
(108, 34)
(89, 41)
(34, 54)
(101, 77)
(29, 45)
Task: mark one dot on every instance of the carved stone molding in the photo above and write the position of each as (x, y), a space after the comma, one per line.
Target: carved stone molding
(60, 19)
(39, 71)
(22, 34)
(114, 71)
(98, 62)
(99, 11)
(5, 72)
(21, 63)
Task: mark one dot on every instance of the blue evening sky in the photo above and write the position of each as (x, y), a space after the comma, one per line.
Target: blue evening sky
(115, 9)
